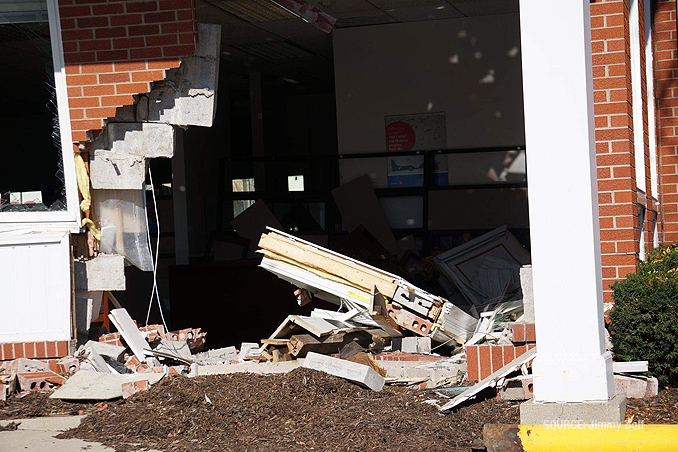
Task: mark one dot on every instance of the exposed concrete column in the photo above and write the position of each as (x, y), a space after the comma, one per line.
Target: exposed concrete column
(257, 119)
(572, 364)
(181, 250)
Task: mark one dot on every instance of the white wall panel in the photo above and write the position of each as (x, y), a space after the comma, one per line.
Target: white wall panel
(35, 287)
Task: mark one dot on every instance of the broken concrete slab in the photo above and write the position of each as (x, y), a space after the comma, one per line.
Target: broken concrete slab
(129, 331)
(97, 361)
(265, 368)
(112, 351)
(23, 365)
(177, 348)
(357, 373)
(85, 385)
(106, 272)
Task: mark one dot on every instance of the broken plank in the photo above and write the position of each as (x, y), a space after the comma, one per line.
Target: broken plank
(491, 380)
(275, 341)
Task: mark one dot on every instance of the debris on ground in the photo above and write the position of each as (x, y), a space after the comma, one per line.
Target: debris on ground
(285, 412)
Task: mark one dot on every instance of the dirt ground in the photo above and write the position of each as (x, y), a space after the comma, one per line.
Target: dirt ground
(302, 410)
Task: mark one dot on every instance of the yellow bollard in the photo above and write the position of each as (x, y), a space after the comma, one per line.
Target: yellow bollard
(581, 438)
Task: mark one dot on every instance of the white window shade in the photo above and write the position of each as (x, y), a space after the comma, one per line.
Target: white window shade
(23, 11)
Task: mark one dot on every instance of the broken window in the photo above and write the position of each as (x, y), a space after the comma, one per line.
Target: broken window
(32, 175)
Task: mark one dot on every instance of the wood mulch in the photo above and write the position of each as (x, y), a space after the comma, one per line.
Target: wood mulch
(301, 410)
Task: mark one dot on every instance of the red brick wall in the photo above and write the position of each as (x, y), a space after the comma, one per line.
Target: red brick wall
(37, 350)
(666, 92)
(114, 49)
(613, 108)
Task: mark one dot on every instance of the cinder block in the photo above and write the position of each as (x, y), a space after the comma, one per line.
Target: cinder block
(105, 272)
(518, 388)
(424, 345)
(635, 387)
(132, 387)
(39, 381)
(410, 345)
(358, 373)
(140, 139)
(109, 171)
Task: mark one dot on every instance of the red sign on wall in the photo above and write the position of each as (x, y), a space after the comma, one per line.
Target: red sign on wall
(400, 137)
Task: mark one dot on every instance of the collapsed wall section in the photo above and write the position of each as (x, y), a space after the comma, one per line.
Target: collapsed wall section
(114, 50)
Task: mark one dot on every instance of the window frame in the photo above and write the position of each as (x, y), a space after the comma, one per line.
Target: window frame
(68, 219)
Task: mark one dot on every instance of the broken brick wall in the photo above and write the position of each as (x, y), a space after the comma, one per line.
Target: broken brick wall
(618, 195)
(115, 49)
(666, 91)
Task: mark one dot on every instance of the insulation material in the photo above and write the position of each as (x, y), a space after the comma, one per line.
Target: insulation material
(83, 182)
(122, 214)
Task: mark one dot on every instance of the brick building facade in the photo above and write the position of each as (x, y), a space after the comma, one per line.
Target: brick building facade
(631, 198)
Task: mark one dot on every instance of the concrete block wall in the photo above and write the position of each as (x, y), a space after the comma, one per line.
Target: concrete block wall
(115, 49)
(666, 89)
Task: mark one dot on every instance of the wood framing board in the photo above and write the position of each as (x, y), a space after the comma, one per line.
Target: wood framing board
(326, 289)
(317, 258)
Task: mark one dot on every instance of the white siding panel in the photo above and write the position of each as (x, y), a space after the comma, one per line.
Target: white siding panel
(35, 288)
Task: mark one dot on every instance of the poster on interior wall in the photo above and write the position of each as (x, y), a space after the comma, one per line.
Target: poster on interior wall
(405, 171)
(416, 132)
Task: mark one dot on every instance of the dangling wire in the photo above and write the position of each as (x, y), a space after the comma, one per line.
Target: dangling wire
(154, 290)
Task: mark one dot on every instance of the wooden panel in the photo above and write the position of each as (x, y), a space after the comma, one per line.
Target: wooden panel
(35, 288)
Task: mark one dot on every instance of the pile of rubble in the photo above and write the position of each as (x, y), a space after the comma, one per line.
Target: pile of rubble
(385, 331)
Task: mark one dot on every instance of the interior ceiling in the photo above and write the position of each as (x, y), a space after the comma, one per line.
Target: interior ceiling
(258, 35)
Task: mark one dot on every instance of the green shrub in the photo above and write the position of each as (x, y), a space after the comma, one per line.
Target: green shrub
(644, 321)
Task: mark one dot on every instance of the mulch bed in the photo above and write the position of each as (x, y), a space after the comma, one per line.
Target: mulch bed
(662, 409)
(301, 410)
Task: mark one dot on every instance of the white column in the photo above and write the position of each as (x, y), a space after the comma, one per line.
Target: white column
(572, 364)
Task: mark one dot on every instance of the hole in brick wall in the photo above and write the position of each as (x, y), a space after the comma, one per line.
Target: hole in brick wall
(33, 385)
(43, 384)
(529, 387)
